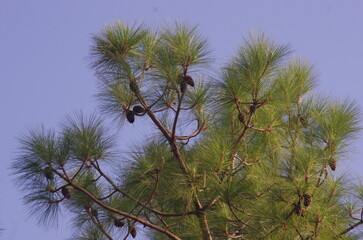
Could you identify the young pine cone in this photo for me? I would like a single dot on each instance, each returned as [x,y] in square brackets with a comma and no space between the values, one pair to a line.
[188,80]
[133,232]
[307,200]
[66,193]
[130,116]
[138,109]
[298,209]
[118,223]
[183,86]
[134,87]
[87,207]
[48,173]
[185,81]
[252,108]
[303,121]
[241,118]
[333,164]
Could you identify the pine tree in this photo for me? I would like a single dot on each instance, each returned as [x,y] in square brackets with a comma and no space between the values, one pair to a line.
[248,154]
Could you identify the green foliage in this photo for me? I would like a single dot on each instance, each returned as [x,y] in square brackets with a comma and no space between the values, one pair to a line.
[249,155]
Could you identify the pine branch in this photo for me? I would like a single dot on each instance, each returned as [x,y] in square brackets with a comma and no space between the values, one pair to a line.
[165,132]
[350,228]
[360,222]
[138,201]
[113,210]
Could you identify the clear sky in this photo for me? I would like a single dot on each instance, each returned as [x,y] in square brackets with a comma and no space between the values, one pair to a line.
[44,75]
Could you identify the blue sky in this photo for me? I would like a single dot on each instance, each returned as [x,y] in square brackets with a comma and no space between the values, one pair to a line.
[44,74]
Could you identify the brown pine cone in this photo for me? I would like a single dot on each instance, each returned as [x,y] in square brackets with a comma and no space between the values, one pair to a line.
[188,80]
[48,173]
[66,193]
[134,87]
[118,223]
[130,116]
[133,232]
[241,118]
[307,199]
[298,209]
[333,164]
[138,109]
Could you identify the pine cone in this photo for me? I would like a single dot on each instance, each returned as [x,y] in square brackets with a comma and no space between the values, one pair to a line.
[133,232]
[66,193]
[298,209]
[241,118]
[134,87]
[188,80]
[252,108]
[130,116]
[333,164]
[303,121]
[307,200]
[48,173]
[183,86]
[185,80]
[118,223]
[87,207]
[138,109]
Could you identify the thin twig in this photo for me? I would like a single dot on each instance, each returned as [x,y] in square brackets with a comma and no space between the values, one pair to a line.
[194,134]
[240,220]
[109,195]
